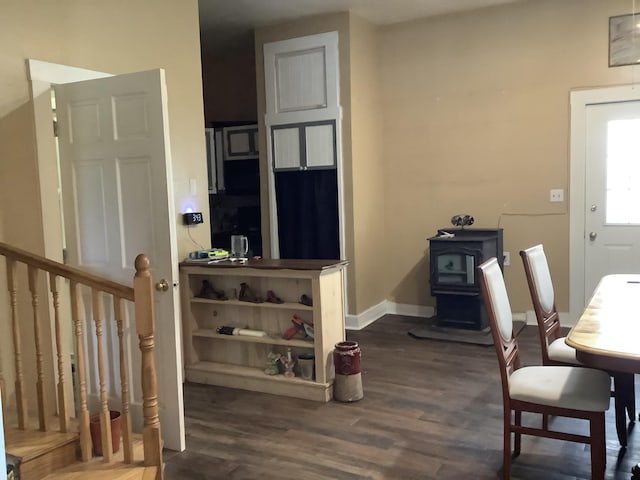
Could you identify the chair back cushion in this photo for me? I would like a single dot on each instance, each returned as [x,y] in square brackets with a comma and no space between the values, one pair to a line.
[499,300]
[541,278]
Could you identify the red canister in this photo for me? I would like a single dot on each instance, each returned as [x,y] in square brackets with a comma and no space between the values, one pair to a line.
[346,358]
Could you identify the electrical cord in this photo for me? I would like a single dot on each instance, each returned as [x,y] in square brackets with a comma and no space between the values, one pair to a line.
[200,247]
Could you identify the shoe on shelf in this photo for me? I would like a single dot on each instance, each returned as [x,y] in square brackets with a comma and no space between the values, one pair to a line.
[299,326]
[306,300]
[247,295]
[273,298]
[207,291]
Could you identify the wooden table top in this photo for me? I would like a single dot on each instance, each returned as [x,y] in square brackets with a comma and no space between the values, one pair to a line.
[607,335]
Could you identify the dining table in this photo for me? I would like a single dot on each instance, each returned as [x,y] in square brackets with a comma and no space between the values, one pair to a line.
[607,336]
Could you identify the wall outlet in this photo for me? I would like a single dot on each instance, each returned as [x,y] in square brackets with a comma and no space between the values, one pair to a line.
[556,195]
[506,257]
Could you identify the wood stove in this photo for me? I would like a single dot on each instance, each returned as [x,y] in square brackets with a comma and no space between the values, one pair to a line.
[454,259]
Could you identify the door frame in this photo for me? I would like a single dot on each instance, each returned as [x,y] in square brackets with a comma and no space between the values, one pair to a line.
[579,101]
[42,75]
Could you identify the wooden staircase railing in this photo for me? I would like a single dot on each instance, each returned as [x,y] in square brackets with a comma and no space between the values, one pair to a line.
[141,294]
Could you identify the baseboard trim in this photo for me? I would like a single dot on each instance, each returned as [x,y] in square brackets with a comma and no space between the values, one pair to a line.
[362,320]
[358,322]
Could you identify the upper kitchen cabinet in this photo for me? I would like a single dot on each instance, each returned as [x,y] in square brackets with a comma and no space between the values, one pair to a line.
[301,79]
[304,146]
[240,142]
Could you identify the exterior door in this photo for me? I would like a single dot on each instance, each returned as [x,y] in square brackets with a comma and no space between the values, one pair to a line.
[118,202]
[612,191]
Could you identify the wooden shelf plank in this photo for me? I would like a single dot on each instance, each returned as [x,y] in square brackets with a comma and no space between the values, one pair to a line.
[238,303]
[294,342]
[254,379]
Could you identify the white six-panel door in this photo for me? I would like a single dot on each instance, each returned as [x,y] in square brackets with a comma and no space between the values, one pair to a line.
[118,202]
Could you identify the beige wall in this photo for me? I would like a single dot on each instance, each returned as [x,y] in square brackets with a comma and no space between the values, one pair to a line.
[115,37]
[476,120]
[367,173]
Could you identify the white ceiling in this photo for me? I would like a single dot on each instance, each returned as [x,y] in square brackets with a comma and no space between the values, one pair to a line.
[224,21]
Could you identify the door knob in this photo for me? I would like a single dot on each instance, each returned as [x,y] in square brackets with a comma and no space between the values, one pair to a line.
[592,236]
[594,207]
[162,285]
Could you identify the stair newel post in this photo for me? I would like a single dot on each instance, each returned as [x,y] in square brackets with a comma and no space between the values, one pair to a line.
[119,313]
[105,416]
[63,413]
[145,324]
[81,369]
[21,399]
[34,275]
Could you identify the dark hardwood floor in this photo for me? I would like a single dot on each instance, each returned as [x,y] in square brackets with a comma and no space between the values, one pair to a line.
[431,410]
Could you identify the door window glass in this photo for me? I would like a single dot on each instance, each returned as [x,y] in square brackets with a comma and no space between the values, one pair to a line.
[623,172]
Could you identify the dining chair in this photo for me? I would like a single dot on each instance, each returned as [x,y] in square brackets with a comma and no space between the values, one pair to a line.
[554,349]
[549,390]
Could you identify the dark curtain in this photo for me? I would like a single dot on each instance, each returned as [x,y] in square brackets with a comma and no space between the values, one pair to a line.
[308,214]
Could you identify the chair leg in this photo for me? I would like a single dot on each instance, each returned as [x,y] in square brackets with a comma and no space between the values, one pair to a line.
[631,406]
[517,435]
[598,451]
[623,387]
[506,447]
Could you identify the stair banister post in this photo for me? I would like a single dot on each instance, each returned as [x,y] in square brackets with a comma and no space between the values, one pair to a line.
[63,407]
[119,314]
[34,275]
[77,317]
[145,325]
[105,415]
[21,397]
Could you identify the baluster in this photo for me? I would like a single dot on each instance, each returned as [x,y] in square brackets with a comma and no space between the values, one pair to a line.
[77,317]
[34,275]
[21,398]
[105,417]
[63,413]
[144,308]
[126,416]
[3,400]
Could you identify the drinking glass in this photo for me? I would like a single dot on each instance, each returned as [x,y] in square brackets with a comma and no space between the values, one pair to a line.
[239,246]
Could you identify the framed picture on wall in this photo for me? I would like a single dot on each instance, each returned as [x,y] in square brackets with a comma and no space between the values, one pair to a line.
[624,40]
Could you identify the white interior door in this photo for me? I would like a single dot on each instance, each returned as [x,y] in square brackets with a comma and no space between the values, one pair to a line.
[612,191]
[118,202]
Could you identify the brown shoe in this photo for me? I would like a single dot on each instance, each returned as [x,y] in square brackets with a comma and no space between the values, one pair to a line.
[273,298]
[247,295]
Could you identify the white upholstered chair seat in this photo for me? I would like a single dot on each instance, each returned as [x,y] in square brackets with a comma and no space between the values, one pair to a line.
[576,388]
[561,352]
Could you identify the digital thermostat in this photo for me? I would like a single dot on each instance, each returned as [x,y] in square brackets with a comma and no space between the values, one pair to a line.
[192,218]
